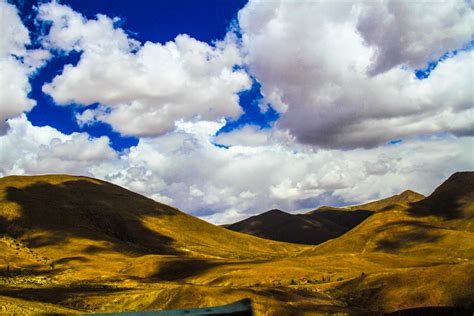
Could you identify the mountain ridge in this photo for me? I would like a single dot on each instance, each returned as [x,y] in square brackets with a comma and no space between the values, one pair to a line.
[316,226]
[81,245]
[106,215]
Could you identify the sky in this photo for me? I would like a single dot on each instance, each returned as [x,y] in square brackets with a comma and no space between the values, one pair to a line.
[226,109]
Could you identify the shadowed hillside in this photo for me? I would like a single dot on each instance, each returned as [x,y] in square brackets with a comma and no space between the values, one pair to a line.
[403,233]
[452,201]
[281,226]
[54,210]
[402,226]
[316,226]
[82,208]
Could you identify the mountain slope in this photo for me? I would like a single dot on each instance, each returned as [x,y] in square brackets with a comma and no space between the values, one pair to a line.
[77,228]
[315,226]
[281,226]
[80,245]
[407,196]
[414,231]
[53,210]
[75,241]
[452,202]
[402,227]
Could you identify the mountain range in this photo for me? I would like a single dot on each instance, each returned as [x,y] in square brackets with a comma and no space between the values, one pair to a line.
[316,226]
[72,244]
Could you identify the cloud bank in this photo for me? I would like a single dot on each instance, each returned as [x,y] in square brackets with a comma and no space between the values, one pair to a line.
[185,169]
[142,89]
[341,75]
[341,72]
[16,65]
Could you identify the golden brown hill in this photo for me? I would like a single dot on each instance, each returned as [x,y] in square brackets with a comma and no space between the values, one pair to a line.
[402,227]
[316,226]
[452,202]
[70,244]
[407,196]
[57,210]
[80,245]
[414,231]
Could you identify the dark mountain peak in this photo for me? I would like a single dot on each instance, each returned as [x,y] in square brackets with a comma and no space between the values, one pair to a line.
[325,208]
[274,212]
[271,216]
[319,225]
[310,228]
[453,199]
[461,177]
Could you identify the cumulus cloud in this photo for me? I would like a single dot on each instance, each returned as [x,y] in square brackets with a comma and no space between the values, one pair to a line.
[183,168]
[252,136]
[28,149]
[414,32]
[343,88]
[142,89]
[16,64]
[341,73]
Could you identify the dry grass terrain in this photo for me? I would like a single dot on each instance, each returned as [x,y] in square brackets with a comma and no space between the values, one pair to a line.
[80,245]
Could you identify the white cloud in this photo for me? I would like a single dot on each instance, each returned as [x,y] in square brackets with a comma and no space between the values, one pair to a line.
[14,33]
[27,149]
[414,32]
[316,61]
[183,168]
[16,64]
[255,136]
[244,180]
[145,88]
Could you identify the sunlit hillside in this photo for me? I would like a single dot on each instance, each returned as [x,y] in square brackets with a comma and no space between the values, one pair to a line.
[81,245]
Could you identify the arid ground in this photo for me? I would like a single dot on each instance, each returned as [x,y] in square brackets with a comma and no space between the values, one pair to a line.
[80,245]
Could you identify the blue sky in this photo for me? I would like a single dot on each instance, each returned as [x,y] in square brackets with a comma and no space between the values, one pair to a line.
[229,108]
